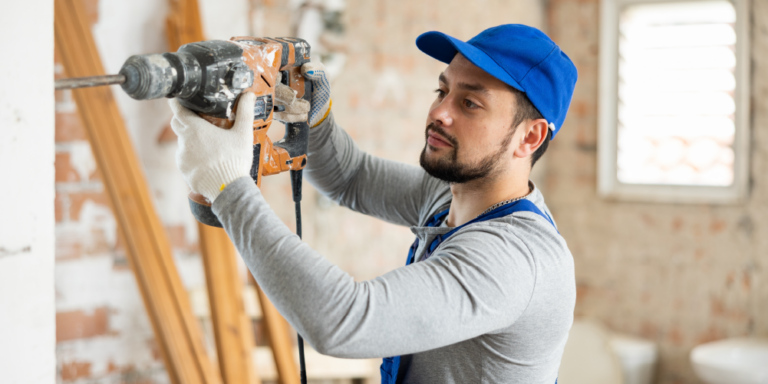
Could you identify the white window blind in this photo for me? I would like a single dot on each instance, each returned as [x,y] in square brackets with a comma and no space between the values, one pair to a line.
[669,101]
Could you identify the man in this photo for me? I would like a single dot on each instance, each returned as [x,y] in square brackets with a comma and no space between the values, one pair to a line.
[489,290]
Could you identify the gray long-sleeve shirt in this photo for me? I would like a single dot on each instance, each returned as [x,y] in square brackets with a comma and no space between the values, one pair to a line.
[493,304]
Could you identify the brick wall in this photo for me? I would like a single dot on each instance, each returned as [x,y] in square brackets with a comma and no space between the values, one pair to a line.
[102,331]
[680,275]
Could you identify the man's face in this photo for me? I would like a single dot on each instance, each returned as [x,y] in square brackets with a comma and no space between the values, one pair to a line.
[468,127]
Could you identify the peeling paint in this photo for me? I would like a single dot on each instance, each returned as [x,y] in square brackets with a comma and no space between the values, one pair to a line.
[82,160]
[11,252]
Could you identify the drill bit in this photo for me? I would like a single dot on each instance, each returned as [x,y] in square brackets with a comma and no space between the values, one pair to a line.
[93,81]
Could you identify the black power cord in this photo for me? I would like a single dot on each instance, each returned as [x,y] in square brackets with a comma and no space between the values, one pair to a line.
[296,181]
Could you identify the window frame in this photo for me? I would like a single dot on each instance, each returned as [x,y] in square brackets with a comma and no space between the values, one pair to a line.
[608,185]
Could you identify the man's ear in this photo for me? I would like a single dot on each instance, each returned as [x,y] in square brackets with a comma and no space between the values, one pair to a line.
[534,134]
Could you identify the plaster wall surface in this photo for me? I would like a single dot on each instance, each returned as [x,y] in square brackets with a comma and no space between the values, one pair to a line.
[27,321]
[678,274]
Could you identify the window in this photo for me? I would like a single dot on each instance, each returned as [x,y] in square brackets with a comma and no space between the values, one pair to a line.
[674,101]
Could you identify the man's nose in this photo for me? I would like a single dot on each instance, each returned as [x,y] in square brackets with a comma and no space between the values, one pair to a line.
[441,114]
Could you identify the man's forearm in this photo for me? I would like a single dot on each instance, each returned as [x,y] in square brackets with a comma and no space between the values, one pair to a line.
[386,189]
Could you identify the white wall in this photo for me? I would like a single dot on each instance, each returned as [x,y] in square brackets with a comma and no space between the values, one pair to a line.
[27,320]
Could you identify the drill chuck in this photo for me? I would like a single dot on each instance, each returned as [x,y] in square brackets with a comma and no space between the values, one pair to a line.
[208,76]
[161,75]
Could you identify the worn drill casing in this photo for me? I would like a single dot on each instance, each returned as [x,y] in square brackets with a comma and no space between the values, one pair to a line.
[265,60]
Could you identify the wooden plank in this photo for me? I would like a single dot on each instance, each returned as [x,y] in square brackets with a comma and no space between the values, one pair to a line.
[278,334]
[185,26]
[177,332]
[232,328]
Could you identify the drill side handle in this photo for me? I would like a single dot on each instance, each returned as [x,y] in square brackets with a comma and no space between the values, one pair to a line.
[256,166]
[296,140]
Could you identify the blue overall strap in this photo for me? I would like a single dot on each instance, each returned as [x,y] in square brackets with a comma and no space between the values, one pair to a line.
[504,210]
[390,365]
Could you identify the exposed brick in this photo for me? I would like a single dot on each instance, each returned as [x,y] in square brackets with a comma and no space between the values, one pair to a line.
[669,272]
[178,238]
[260,333]
[78,199]
[91,10]
[717,226]
[75,370]
[58,207]
[675,336]
[78,324]
[746,281]
[68,248]
[157,354]
[68,128]
[710,334]
[64,170]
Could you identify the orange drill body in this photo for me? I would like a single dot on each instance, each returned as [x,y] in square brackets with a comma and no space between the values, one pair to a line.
[265,62]
[269,60]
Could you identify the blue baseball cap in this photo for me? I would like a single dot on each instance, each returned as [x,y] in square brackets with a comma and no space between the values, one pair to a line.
[520,56]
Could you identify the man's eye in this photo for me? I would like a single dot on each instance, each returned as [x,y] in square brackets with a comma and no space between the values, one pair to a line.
[440,93]
[469,104]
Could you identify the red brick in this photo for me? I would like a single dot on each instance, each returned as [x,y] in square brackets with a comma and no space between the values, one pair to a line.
[75,370]
[58,207]
[717,307]
[260,333]
[79,325]
[68,127]
[746,282]
[178,238]
[649,330]
[68,248]
[64,171]
[91,10]
[675,336]
[157,354]
[78,199]
[717,226]
[711,334]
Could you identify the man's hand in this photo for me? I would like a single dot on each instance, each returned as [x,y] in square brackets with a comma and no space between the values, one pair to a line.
[298,110]
[321,92]
[210,157]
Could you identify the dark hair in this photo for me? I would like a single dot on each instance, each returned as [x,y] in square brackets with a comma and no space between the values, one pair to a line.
[526,111]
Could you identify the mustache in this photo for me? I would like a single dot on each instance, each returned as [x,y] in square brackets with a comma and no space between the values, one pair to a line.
[441,131]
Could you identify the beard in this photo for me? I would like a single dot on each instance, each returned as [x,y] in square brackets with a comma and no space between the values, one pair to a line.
[449,169]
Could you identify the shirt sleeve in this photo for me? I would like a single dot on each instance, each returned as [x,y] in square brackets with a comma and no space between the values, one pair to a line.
[478,281]
[385,189]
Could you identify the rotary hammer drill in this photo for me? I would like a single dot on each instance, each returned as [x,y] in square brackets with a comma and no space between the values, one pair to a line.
[208,77]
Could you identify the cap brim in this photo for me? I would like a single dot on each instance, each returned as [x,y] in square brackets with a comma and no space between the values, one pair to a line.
[443,48]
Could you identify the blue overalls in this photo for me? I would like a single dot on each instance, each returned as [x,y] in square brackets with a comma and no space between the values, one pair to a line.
[390,365]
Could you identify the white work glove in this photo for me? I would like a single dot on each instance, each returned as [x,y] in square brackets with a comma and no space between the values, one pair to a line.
[209,157]
[321,92]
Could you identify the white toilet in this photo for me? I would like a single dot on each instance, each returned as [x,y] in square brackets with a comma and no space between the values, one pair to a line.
[594,355]
[638,358]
